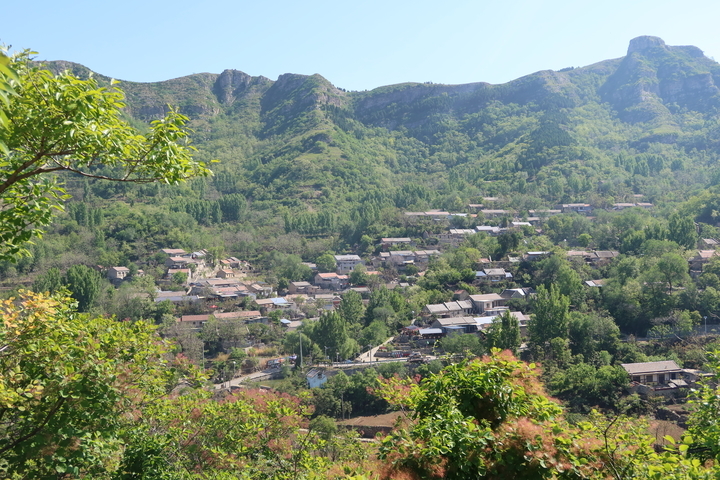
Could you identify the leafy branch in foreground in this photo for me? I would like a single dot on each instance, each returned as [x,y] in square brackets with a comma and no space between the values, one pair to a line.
[70,384]
[59,123]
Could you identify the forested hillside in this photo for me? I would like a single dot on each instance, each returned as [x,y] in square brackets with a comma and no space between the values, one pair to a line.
[645,123]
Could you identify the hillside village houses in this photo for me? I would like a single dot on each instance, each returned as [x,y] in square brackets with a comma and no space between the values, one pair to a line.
[470,313]
[347,263]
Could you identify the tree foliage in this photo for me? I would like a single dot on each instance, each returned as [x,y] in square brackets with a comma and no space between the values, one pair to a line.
[61,123]
[490,419]
[70,384]
[550,316]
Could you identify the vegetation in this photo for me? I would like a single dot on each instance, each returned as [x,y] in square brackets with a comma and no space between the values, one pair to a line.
[101,381]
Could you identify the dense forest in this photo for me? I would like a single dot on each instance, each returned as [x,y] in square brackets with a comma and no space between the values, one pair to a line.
[282,179]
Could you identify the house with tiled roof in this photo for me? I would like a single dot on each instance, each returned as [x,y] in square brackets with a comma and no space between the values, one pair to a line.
[331,281]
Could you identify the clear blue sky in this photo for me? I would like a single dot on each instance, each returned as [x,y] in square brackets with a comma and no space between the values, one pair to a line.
[355,45]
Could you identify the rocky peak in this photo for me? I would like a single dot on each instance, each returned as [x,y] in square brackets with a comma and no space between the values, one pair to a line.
[229,84]
[638,44]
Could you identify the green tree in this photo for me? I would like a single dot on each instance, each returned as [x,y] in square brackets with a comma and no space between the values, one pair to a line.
[704,423]
[592,333]
[490,419]
[351,307]
[331,333]
[672,269]
[359,276]
[583,385]
[60,123]
[550,318]
[233,207]
[326,263]
[84,284]
[681,230]
[504,333]
[50,282]
[374,334]
[462,343]
[71,384]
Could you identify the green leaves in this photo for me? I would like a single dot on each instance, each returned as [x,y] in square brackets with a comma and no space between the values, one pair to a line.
[54,123]
[69,385]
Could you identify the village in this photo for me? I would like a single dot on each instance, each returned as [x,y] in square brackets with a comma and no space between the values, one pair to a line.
[231,290]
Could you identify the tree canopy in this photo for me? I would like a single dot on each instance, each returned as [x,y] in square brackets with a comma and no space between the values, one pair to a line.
[54,124]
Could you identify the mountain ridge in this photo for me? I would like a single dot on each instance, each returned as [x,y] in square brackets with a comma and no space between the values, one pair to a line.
[645,123]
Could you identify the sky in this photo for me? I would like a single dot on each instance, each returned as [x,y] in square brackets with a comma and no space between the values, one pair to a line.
[354,45]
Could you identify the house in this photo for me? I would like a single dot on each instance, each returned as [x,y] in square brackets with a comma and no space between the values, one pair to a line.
[233,262]
[175,297]
[304,288]
[327,301]
[532,256]
[520,224]
[653,373]
[493,275]
[701,258]
[235,291]
[544,213]
[331,281]
[489,229]
[225,273]
[245,315]
[517,293]
[430,333]
[311,266]
[392,242]
[220,288]
[454,236]
[347,263]
[581,208]
[459,307]
[448,309]
[488,304]
[274,303]
[436,310]
[173,252]
[497,213]
[459,324]
[195,322]
[118,274]
[437,215]
[582,254]
[397,258]
[602,257]
[316,377]
[422,257]
[260,288]
[468,324]
[622,206]
[178,262]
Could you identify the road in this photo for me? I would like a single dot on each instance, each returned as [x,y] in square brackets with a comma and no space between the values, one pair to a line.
[362,360]
[369,356]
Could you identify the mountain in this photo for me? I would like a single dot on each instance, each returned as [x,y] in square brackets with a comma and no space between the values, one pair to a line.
[645,124]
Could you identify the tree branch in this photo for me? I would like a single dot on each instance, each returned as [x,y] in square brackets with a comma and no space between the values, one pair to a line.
[36,430]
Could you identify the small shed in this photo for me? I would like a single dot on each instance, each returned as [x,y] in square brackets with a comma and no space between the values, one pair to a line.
[316,377]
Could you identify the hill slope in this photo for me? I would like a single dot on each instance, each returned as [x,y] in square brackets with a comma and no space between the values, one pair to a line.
[642,124]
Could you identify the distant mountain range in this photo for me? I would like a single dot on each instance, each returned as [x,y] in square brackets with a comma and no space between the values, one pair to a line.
[646,123]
